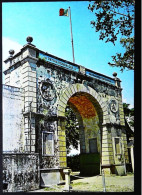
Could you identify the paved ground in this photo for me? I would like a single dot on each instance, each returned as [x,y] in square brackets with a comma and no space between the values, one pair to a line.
[94,184]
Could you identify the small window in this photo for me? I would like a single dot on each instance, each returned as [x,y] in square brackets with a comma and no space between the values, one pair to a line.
[117,146]
[47,144]
[93,145]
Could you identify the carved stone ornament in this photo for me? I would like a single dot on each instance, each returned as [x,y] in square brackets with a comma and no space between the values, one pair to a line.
[113,104]
[47,90]
[29,39]
[100,88]
[51,126]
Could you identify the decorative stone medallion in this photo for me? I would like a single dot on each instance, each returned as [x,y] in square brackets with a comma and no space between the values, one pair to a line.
[113,104]
[47,90]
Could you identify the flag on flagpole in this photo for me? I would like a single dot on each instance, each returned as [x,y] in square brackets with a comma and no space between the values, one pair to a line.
[63,12]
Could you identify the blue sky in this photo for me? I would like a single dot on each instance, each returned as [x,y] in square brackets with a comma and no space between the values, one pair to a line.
[51,33]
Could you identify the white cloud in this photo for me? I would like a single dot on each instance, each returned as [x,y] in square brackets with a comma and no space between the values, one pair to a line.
[128,101]
[8,44]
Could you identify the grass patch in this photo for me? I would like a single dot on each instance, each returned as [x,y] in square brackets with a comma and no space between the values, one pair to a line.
[54,188]
[80,183]
[49,189]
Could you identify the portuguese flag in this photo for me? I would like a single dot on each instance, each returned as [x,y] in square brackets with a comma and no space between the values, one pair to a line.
[63,12]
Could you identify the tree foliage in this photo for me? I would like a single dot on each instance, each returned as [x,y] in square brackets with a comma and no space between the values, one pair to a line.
[115,18]
[72,129]
[129,113]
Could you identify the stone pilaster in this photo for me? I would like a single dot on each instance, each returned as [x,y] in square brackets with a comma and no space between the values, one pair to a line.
[124,146]
[62,142]
[30,136]
[107,149]
[121,113]
[29,85]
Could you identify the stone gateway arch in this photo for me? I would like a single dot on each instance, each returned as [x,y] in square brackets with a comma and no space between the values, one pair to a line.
[98,111]
[38,87]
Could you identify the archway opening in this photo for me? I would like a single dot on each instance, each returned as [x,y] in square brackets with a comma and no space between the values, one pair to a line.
[72,132]
[88,115]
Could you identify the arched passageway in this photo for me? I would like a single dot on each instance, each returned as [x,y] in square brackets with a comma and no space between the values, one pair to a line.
[91,114]
[97,129]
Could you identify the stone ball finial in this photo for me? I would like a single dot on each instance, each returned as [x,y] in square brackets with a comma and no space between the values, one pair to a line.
[29,39]
[11,52]
[114,74]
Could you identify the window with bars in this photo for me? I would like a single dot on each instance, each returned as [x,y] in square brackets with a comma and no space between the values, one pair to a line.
[47,144]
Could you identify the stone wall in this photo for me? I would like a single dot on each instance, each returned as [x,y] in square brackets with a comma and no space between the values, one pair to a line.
[21,171]
[49,84]
[13,121]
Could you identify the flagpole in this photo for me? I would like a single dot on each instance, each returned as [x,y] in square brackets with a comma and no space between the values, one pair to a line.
[71,35]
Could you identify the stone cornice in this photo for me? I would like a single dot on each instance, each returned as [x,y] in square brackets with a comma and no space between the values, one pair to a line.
[19,63]
[20,52]
[27,58]
[52,117]
[84,74]
[112,125]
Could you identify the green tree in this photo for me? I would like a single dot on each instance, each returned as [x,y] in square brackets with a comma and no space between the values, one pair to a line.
[129,113]
[115,18]
[72,129]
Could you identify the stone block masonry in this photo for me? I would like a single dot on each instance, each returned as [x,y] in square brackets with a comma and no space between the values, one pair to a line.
[21,171]
[41,87]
